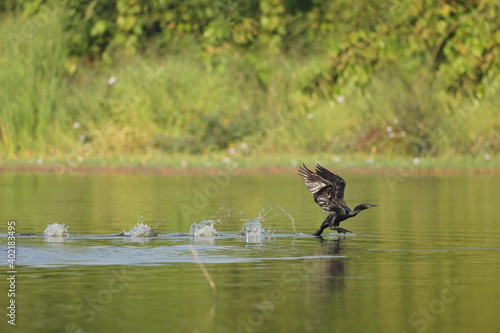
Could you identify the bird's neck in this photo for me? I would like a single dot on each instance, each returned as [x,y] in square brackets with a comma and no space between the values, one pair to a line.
[356,210]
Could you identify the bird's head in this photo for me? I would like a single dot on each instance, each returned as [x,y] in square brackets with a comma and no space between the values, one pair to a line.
[363,206]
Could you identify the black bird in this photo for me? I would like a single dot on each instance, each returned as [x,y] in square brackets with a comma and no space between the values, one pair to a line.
[328,191]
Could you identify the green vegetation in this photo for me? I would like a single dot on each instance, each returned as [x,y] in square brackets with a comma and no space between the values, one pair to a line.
[112,80]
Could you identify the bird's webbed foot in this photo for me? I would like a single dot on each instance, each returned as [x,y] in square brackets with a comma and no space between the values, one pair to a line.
[340,230]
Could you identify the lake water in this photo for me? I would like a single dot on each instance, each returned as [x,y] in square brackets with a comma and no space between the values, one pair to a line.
[427,259]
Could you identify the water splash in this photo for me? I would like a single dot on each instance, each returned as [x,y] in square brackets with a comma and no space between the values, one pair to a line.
[254,232]
[139,230]
[56,230]
[254,228]
[291,218]
[204,229]
[227,217]
[270,212]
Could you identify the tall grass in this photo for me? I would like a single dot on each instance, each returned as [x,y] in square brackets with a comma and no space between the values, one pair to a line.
[32,85]
[181,103]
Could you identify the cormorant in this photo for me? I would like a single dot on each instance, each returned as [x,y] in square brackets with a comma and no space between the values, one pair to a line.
[328,191]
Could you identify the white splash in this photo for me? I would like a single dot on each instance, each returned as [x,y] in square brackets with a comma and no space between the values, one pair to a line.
[253,228]
[254,232]
[56,230]
[140,230]
[291,218]
[270,212]
[203,229]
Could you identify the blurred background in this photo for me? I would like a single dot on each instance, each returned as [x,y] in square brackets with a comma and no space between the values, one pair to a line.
[143,81]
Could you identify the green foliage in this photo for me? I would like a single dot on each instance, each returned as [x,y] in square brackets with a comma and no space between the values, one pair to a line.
[457,42]
[406,78]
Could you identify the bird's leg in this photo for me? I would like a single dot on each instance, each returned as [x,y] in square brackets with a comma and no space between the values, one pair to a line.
[340,230]
[326,223]
[318,232]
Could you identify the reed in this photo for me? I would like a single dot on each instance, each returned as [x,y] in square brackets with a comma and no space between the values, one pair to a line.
[204,270]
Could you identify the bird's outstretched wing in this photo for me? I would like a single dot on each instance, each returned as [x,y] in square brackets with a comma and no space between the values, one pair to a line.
[337,181]
[327,188]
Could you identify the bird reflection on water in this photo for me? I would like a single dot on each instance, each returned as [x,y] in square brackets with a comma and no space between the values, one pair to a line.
[331,275]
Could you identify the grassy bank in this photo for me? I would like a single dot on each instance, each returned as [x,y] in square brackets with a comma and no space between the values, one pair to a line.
[205,106]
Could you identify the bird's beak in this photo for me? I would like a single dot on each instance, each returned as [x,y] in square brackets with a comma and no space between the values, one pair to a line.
[372,206]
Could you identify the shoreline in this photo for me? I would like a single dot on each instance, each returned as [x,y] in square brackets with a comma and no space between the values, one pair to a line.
[170,170]
[268,163]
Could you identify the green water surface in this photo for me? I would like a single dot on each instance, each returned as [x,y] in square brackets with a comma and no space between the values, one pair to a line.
[427,259]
